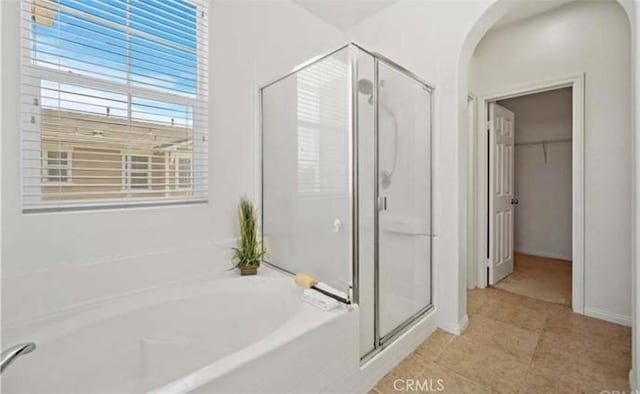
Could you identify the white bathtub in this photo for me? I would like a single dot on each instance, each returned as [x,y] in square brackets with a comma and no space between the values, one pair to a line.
[234,334]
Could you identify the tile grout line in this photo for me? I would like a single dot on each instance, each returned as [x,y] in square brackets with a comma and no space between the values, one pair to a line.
[545,322]
[375,388]
[544,325]
[463,376]
[530,361]
[480,383]
[435,361]
[444,347]
[528,371]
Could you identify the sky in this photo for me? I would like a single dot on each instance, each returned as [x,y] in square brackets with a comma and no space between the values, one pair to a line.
[93,37]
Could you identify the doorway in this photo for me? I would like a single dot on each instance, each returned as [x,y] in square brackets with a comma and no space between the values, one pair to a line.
[530,148]
[553,270]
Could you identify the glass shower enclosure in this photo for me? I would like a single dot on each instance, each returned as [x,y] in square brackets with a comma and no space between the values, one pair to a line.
[346,184]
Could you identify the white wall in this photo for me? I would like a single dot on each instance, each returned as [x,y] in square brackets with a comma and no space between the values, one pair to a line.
[54,260]
[589,37]
[543,185]
[634,17]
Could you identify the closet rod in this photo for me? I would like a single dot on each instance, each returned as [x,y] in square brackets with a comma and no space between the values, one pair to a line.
[543,142]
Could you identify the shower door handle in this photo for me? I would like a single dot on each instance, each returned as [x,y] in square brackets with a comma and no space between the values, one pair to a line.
[382,203]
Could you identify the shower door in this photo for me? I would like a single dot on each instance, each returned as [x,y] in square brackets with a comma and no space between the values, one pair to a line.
[403,168]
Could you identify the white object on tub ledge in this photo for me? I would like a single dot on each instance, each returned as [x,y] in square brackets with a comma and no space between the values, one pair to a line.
[332,290]
[319,300]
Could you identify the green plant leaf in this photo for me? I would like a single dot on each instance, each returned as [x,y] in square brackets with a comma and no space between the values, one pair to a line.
[249,250]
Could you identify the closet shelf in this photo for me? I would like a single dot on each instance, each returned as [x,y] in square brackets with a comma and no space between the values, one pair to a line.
[545,142]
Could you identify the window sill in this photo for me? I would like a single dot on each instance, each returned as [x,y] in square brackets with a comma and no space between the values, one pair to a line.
[111,205]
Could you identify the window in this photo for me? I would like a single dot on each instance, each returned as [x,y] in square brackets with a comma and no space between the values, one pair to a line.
[322,105]
[56,167]
[184,173]
[119,88]
[139,172]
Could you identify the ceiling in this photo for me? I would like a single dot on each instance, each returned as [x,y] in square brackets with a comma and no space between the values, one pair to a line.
[529,8]
[344,14]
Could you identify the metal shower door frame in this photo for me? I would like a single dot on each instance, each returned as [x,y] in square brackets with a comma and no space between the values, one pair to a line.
[382,341]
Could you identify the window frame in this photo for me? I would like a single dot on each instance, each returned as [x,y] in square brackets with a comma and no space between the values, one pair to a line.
[34,104]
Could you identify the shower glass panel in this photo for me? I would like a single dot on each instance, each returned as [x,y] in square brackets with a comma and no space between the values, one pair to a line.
[306,192]
[404,190]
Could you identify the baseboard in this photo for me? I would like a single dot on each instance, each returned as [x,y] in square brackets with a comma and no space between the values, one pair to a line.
[541,253]
[608,316]
[455,328]
[633,382]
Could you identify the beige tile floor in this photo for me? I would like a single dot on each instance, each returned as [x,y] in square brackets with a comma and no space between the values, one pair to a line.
[517,344]
[539,277]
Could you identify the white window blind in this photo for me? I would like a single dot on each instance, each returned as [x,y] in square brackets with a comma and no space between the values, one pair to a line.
[323,121]
[114,102]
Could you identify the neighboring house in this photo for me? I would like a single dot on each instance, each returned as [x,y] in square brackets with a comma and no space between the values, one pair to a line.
[91,157]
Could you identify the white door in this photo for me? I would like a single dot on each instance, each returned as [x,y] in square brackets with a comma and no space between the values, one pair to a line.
[501,201]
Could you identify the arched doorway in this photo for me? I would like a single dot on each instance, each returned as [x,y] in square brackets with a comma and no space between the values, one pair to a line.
[492,14]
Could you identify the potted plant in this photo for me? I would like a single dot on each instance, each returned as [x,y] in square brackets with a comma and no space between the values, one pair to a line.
[250,252]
